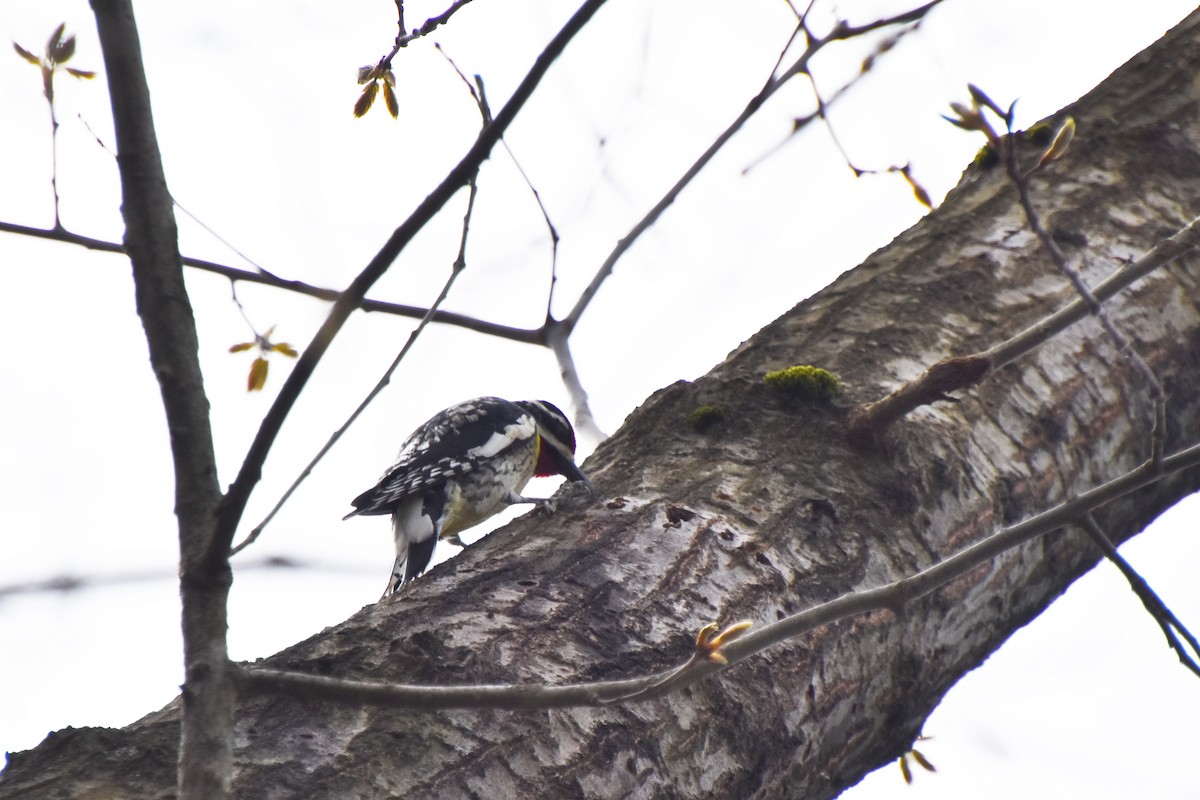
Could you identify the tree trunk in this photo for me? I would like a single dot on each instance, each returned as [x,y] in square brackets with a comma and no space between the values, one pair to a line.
[770,510]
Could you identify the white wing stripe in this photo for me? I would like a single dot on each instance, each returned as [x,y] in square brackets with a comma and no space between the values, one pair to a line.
[518,431]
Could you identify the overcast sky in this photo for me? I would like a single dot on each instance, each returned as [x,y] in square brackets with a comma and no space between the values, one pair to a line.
[252,103]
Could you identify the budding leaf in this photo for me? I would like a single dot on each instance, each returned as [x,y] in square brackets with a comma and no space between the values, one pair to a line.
[28,56]
[1062,140]
[920,758]
[366,99]
[918,190]
[63,51]
[258,375]
[389,97]
[55,38]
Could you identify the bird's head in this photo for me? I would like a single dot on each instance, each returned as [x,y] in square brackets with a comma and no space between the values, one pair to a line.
[557,455]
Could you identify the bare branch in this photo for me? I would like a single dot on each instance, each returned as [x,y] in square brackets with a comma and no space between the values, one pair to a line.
[434,698]
[206,745]
[263,278]
[476,93]
[480,95]
[555,335]
[433,23]
[823,105]
[868,422]
[1162,615]
[403,37]
[550,229]
[822,113]
[840,32]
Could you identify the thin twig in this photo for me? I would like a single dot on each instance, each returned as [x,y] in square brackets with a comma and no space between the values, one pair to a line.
[893,596]
[1162,615]
[823,115]
[225,242]
[242,310]
[476,94]
[840,32]
[523,335]
[823,105]
[59,49]
[550,229]
[480,95]
[800,16]
[53,147]
[798,125]
[1154,386]
[557,335]
[403,37]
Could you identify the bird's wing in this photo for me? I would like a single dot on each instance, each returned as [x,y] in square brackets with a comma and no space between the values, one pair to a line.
[453,443]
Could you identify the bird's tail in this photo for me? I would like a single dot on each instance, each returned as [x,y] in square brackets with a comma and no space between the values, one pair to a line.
[397,578]
[412,557]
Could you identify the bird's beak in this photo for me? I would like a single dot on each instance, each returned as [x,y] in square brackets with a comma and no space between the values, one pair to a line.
[573,473]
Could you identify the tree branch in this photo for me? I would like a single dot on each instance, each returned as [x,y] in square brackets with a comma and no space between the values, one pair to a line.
[840,32]
[1158,610]
[523,335]
[206,748]
[429,26]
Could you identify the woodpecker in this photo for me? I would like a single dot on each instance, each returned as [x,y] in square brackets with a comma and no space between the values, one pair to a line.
[462,466]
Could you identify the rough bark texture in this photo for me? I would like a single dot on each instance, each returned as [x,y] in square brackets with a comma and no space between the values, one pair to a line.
[770,511]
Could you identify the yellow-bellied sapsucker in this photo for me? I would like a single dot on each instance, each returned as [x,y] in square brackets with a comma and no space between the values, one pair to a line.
[465,464]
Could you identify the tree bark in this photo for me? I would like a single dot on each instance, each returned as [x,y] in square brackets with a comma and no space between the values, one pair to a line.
[769,511]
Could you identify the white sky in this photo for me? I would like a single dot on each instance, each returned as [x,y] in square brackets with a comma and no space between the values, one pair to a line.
[252,103]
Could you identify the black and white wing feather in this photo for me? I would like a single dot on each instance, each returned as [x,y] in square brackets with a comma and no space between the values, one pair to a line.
[451,444]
